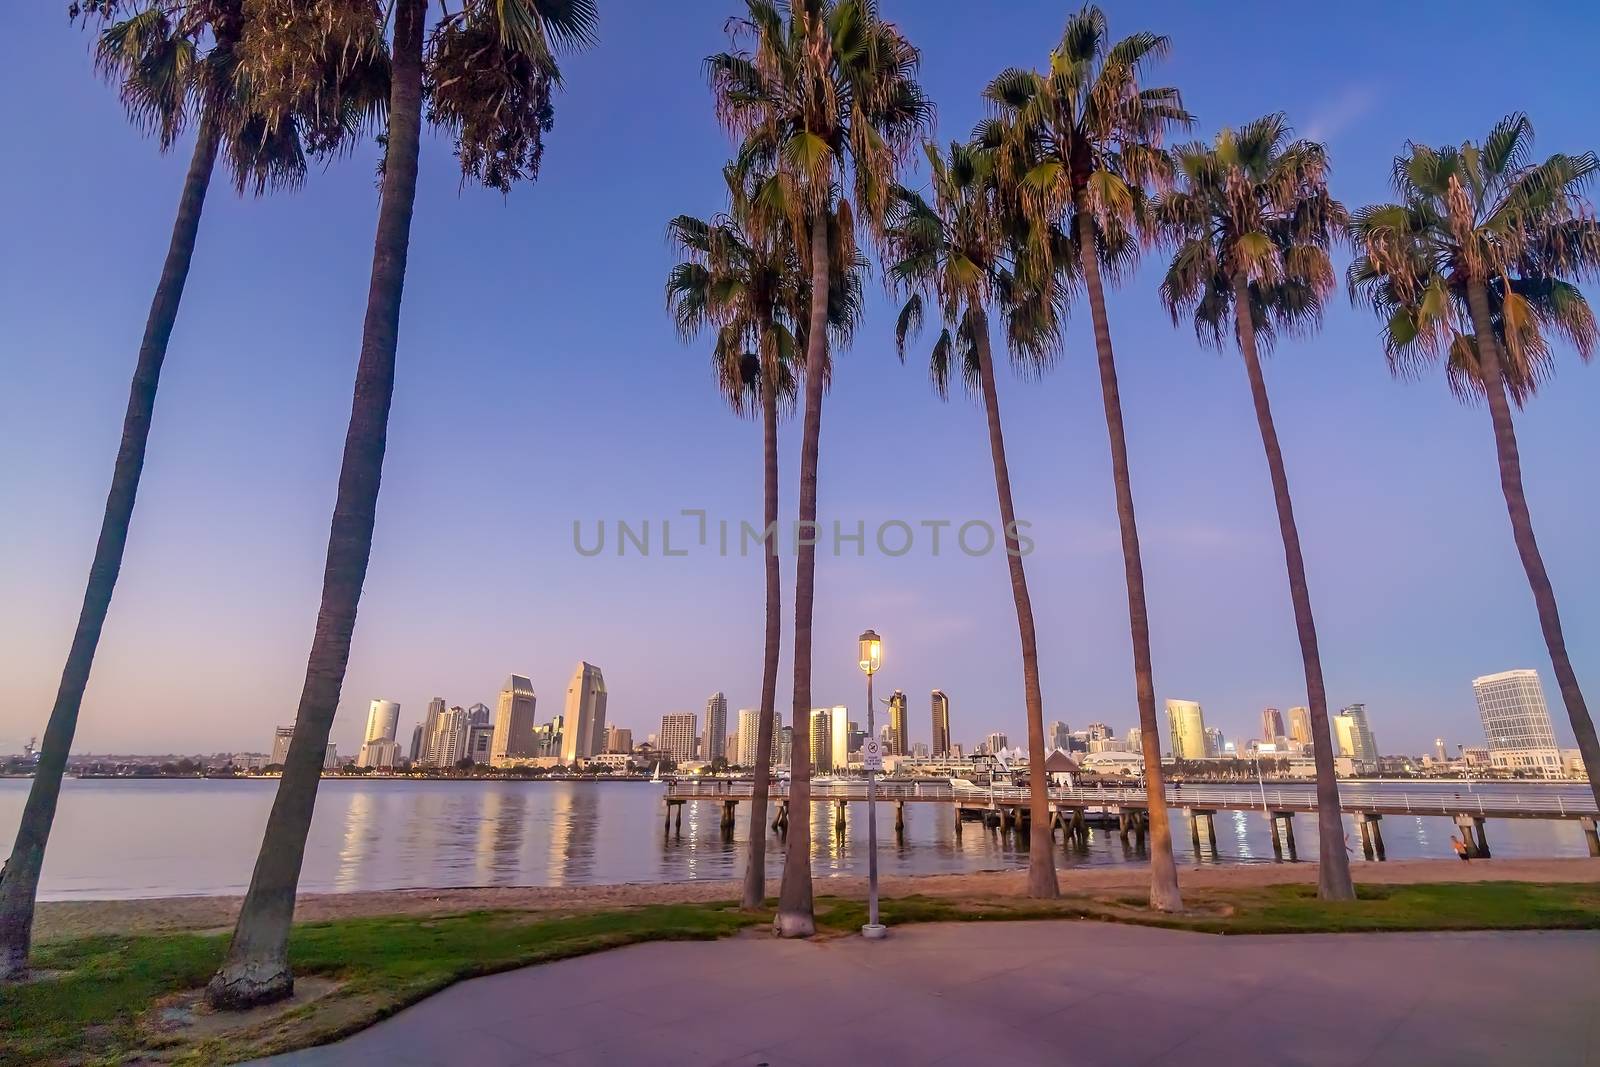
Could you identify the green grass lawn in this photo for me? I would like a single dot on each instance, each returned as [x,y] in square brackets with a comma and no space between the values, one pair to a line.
[100,999]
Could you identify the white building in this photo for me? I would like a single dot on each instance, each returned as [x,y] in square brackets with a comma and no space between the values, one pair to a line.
[378,748]
[280,744]
[1517,723]
[583,727]
[679,735]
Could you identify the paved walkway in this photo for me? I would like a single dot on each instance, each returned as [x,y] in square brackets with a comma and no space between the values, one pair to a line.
[1021,993]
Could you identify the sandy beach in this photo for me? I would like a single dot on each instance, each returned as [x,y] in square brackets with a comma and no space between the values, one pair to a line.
[67,919]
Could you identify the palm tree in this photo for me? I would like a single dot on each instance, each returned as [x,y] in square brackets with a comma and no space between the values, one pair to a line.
[953,252]
[739,277]
[1252,221]
[1076,145]
[826,99]
[174,63]
[488,70]
[1476,264]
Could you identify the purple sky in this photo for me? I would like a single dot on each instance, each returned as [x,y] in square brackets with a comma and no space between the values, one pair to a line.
[540,382]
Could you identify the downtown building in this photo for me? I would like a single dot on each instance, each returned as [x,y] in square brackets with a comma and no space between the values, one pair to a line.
[513,738]
[820,742]
[749,735]
[679,736]
[1186,728]
[899,738]
[379,750]
[1353,737]
[940,745]
[583,725]
[716,741]
[1516,723]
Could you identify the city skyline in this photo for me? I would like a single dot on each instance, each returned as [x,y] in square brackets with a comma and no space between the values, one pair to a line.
[226,551]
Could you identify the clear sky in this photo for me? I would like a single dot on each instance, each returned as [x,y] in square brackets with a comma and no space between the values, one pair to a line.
[540,382]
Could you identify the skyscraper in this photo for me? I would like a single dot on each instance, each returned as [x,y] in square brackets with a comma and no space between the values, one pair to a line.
[430,729]
[839,720]
[480,740]
[1271,724]
[1059,736]
[821,744]
[415,753]
[1516,722]
[1300,725]
[1441,751]
[679,734]
[716,743]
[280,744]
[782,742]
[899,738]
[995,743]
[1215,742]
[480,715]
[513,722]
[583,727]
[744,753]
[619,739]
[941,724]
[1186,725]
[1354,737]
[449,742]
[378,748]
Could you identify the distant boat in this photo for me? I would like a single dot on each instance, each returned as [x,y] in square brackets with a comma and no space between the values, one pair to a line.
[656,777]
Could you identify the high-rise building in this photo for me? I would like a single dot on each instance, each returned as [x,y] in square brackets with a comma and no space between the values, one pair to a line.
[716,742]
[1271,724]
[782,742]
[583,726]
[1135,739]
[821,741]
[480,715]
[1186,725]
[280,744]
[480,740]
[995,743]
[941,724]
[1059,736]
[378,748]
[1215,742]
[449,742]
[749,737]
[430,729]
[415,753]
[1516,722]
[1441,751]
[679,735]
[899,732]
[619,739]
[1096,731]
[1300,725]
[1354,737]
[513,737]
[842,728]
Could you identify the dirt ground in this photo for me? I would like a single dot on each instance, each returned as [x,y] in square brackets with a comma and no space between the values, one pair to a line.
[68,919]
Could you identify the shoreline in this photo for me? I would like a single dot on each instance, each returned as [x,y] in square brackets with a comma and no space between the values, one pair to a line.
[62,920]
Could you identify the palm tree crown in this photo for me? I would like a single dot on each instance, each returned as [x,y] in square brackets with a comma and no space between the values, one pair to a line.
[1486,212]
[1256,204]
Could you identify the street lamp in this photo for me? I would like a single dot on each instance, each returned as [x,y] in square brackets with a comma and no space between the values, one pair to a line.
[869,660]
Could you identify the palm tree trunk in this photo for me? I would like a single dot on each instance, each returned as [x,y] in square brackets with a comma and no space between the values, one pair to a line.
[795,916]
[1164,892]
[1544,596]
[257,966]
[1333,867]
[19,882]
[1041,862]
[755,873]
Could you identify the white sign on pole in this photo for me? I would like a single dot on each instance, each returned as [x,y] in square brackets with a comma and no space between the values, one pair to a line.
[872,754]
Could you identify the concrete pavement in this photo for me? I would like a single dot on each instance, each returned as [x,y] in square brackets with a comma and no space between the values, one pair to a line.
[1020,993]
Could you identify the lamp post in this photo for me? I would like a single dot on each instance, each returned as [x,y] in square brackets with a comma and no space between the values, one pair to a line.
[869,660]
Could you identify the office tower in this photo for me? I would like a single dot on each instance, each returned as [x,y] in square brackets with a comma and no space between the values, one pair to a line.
[783,743]
[1135,738]
[1059,736]
[749,737]
[941,723]
[1300,725]
[1441,751]
[416,743]
[280,744]
[513,737]
[480,715]
[330,757]
[1186,726]
[899,731]
[716,742]
[679,735]
[821,746]
[583,726]
[1215,742]
[383,721]
[449,741]
[1516,722]
[619,739]
[1271,724]
[430,728]
[996,742]
[1096,731]
[919,750]
[842,728]
[1354,737]
[480,740]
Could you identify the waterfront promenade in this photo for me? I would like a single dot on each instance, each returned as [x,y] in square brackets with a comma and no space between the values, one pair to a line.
[1019,993]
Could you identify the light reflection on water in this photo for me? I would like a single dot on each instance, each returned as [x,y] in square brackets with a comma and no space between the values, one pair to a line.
[172,837]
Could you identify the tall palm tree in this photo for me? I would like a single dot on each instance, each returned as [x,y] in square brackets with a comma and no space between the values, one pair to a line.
[827,98]
[1252,221]
[488,70]
[1076,144]
[953,252]
[174,63]
[739,277]
[1476,265]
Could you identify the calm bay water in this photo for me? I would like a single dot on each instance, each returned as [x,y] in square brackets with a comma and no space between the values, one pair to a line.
[168,837]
